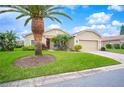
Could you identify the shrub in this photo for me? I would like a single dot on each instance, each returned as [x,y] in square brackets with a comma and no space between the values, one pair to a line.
[122,46]
[109,46]
[116,46]
[28,48]
[19,46]
[77,47]
[7,41]
[103,49]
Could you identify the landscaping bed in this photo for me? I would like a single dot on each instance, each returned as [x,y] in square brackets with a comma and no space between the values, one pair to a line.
[64,62]
[31,61]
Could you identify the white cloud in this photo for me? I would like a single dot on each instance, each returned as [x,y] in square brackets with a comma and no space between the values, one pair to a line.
[116,23]
[25,32]
[101,27]
[99,18]
[79,28]
[53,26]
[94,27]
[116,7]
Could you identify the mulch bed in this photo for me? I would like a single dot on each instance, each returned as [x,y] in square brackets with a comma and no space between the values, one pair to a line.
[34,61]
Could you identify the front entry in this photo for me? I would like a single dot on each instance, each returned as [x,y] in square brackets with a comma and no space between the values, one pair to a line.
[48,43]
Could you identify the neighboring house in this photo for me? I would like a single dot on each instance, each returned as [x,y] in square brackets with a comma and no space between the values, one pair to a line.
[88,39]
[113,40]
[20,42]
[46,40]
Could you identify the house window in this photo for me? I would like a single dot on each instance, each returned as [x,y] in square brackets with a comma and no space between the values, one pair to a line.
[32,42]
[77,41]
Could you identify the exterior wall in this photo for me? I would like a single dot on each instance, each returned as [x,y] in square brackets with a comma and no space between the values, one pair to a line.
[83,35]
[47,34]
[119,39]
[27,40]
[88,37]
[112,42]
[70,43]
[52,33]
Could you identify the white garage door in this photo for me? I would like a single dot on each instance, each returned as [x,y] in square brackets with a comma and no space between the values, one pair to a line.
[88,45]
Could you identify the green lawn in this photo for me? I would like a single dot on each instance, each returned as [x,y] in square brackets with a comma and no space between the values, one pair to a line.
[65,62]
[121,51]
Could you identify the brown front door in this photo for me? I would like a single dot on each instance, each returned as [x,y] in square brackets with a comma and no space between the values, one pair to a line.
[48,43]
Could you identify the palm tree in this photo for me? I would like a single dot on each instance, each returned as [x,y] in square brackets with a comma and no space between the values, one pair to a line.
[36,13]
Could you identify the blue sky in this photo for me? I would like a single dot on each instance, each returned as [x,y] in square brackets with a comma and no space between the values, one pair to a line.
[104,19]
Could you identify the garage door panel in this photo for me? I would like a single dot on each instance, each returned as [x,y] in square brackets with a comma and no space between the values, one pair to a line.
[88,45]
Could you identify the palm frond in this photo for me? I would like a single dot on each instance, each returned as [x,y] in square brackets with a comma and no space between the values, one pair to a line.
[60,13]
[57,20]
[49,17]
[20,16]
[55,8]
[22,9]
[27,21]
[54,19]
[9,10]
[6,6]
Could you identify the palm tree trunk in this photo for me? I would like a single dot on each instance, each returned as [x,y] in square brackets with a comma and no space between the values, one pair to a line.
[38,29]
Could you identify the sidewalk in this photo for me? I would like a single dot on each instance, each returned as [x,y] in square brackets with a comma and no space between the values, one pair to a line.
[39,81]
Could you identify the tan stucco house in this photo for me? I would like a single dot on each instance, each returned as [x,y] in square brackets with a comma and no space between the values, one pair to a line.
[46,40]
[112,40]
[88,39]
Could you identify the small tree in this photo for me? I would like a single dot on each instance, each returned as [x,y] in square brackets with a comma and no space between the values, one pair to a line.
[77,47]
[122,30]
[60,41]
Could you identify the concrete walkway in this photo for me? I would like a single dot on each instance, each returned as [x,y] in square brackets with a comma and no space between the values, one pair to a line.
[115,56]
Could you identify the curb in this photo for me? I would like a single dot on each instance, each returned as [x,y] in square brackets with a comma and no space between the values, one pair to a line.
[40,81]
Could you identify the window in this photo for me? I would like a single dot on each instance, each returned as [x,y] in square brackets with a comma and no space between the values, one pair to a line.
[77,41]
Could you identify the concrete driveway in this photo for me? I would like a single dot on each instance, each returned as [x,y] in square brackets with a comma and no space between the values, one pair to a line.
[115,56]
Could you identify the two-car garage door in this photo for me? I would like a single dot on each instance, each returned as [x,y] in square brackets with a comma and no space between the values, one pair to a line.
[88,45]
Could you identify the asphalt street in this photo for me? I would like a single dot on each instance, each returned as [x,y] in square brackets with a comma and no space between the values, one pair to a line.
[107,79]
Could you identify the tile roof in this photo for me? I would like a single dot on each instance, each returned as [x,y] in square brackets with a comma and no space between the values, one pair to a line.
[113,38]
